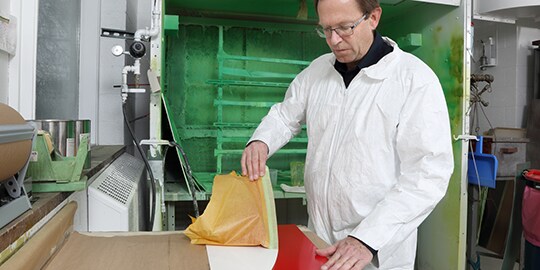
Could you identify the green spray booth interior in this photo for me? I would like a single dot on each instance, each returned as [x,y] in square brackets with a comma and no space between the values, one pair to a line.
[225,63]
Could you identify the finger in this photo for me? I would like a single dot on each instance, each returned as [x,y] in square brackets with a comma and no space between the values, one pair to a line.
[357,263]
[343,263]
[254,165]
[243,163]
[326,252]
[359,266]
[331,262]
[248,163]
[262,162]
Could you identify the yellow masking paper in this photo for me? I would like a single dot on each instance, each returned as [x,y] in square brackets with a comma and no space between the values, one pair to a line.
[240,213]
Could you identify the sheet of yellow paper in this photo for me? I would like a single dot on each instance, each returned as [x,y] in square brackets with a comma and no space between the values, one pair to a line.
[240,213]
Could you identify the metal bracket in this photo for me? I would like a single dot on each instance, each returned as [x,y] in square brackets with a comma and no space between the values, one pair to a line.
[155,142]
[114,33]
[134,90]
[154,145]
[13,187]
[465,137]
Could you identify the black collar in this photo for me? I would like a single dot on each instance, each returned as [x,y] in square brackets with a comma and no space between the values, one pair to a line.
[378,50]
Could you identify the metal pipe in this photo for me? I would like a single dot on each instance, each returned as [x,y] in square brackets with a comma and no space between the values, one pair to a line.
[140,33]
[136,69]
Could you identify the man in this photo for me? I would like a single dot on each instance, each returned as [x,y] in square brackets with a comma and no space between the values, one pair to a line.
[379,154]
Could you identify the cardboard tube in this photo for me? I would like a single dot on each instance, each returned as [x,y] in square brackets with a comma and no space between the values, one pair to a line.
[42,246]
[13,155]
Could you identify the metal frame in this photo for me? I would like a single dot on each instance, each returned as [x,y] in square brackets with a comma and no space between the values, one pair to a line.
[17,192]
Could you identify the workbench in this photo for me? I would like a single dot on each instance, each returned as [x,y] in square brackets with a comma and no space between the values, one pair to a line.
[56,245]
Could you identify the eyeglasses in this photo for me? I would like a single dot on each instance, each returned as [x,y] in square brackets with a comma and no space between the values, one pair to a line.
[342,31]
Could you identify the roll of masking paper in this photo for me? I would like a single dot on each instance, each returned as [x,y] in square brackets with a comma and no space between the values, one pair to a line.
[15,154]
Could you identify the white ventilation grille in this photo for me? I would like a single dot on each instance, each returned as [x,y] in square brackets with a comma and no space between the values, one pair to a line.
[115,196]
[119,183]
[118,189]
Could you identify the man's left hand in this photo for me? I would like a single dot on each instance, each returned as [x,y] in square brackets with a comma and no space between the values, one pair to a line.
[346,254]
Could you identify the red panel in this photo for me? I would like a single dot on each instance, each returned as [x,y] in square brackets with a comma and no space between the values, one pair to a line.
[296,251]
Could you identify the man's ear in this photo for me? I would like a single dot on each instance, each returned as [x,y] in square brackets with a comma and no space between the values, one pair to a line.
[374,17]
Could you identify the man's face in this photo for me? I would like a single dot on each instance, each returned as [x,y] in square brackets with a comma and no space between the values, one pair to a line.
[336,13]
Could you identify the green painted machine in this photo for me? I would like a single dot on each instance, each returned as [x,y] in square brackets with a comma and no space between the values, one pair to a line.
[52,172]
[223,64]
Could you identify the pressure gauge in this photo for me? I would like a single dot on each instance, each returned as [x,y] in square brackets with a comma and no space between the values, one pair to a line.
[117,50]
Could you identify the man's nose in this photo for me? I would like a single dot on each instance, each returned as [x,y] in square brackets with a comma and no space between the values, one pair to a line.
[335,38]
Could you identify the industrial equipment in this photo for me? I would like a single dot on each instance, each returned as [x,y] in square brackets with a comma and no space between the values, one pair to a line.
[115,200]
[16,137]
[51,171]
[66,135]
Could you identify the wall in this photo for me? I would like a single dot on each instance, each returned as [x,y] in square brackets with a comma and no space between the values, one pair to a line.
[57,65]
[512,86]
[4,58]
[502,108]
[110,122]
[525,67]
[89,67]
[22,65]
[128,16]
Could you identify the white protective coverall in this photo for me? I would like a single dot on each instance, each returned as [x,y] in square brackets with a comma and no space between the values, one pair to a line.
[379,154]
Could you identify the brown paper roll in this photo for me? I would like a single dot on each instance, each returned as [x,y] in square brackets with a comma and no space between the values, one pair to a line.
[13,156]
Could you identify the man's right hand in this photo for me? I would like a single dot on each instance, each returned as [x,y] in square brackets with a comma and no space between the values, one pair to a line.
[254,159]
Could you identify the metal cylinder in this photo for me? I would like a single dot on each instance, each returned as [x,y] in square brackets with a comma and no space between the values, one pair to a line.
[58,130]
[66,135]
[70,139]
[83,127]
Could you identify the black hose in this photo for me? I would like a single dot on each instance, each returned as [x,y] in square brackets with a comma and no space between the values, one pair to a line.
[148,169]
[191,178]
